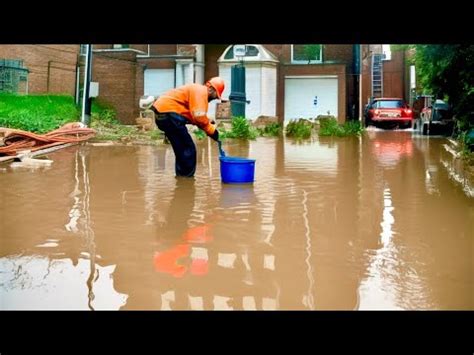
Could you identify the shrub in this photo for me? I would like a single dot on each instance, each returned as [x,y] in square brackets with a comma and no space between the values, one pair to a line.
[300,129]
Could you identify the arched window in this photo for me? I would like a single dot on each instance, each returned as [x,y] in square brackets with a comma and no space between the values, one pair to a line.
[250,51]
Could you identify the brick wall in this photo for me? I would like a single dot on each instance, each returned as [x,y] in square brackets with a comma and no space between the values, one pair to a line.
[52,68]
[393,75]
[366,65]
[139,47]
[163,49]
[120,80]
[156,63]
[340,64]
[212,52]
[337,53]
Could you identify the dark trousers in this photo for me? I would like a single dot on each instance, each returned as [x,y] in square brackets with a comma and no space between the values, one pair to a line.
[174,126]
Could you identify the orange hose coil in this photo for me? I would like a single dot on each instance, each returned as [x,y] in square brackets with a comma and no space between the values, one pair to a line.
[16,139]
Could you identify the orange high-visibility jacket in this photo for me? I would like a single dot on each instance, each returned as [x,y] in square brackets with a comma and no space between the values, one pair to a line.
[189,101]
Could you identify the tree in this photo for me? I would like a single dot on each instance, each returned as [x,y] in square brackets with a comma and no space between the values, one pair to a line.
[312,51]
[447,72]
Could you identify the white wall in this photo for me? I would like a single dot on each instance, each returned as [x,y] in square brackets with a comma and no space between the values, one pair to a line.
[269,91]
[158,81]
[260,89]
[253,90]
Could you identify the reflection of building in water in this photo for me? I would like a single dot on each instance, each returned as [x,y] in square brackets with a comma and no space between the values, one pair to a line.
[218,262]
[385,287]
[239,280]
[404,266]
[151,171]
[222,290]
[39,283]
[322,159]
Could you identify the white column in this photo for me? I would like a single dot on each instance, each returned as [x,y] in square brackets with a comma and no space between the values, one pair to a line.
[189,77]
[179,74]
[199,64]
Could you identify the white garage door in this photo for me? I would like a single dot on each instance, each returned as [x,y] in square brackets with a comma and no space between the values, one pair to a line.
[309,97]
[158,81]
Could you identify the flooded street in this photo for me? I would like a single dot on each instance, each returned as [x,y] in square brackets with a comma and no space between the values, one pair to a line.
[377,222]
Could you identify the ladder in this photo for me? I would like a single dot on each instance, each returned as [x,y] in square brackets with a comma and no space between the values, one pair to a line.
[377,75]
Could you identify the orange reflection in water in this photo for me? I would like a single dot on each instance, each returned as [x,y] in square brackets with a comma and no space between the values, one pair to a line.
[168,261]
[390,149]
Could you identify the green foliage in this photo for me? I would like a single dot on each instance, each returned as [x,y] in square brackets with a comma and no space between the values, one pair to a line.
[200,134]
[447,72]
[400,47]
[44,113]
[330,127]
[104,113]
[352,128]
[156,134]
[312,51]
[37,113]
[271,130]
[299,129]
[241,129]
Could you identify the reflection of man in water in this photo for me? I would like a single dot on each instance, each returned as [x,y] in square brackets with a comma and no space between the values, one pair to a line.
[189,252]
[178,236]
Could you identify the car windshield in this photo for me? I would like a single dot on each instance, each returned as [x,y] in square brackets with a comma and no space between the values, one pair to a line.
[389,104]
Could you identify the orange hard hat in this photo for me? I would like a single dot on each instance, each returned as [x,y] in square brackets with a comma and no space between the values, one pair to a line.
[218,84]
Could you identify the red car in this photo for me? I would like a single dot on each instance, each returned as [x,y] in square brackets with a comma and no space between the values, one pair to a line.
[389,112]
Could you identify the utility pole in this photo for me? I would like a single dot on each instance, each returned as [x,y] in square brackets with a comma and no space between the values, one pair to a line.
[86,100]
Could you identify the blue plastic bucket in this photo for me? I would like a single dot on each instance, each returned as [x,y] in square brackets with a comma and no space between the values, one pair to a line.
[235,170]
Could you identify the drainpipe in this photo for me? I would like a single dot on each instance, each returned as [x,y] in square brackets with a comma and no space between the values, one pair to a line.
[86,101]
[356,82]
[77,84]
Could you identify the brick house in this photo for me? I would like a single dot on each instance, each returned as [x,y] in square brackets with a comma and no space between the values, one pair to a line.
[281,80]
[279,83]
[51,68]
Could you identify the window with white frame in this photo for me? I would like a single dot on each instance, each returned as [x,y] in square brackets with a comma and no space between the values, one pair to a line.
[306,53]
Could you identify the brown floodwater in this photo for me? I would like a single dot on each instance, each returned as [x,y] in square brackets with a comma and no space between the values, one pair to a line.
[378,222]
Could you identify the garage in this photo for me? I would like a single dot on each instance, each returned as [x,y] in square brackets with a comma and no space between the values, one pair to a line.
[308,97]
[158,81]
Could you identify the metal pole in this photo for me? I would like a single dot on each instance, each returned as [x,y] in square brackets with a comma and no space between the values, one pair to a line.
[86,101]
[77,85]
[360,82]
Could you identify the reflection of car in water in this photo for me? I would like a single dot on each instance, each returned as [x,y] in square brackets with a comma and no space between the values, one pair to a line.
[390,147]
[389,113]
[435,118]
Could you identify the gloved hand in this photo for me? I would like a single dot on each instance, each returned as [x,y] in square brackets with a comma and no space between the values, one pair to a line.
[215,135]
